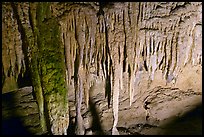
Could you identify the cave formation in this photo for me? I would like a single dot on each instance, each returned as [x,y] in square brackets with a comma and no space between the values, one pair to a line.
[101,68]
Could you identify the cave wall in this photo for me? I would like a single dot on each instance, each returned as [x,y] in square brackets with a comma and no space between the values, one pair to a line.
[43,58]
[135,47]
[126,48]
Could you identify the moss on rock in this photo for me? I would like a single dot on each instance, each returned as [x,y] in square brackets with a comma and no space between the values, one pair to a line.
[51,63]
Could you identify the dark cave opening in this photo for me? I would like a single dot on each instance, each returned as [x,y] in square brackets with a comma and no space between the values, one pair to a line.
[24,80]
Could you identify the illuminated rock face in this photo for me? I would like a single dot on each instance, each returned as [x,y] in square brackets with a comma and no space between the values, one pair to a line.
[141,61]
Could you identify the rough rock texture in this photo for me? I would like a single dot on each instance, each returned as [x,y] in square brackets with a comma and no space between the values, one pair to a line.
[134,57]
[155,110]
[13,61]
[155,115]
[44,60]
[20,113]
[135,47]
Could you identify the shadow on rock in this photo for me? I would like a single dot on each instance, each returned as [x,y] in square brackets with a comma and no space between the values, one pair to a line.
[189,124]
[96,124]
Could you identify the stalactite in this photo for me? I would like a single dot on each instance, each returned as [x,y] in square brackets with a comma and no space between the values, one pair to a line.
[13,55]
[73,44]
[116,91]
[148,51]
[197,52]
[87,66]
[79,95]
[164,58]
[168,55]
[127,40]
[131,87]
[173,73]
[188,50]
[130,35]
[121,76]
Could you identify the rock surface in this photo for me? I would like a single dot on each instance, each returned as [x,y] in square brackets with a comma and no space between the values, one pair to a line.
[20,115]
[163,111]
[158,111]
[135,64]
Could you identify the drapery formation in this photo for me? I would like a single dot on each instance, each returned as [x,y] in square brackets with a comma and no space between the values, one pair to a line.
[126,41]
